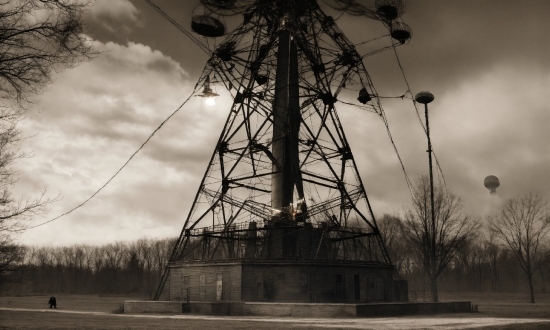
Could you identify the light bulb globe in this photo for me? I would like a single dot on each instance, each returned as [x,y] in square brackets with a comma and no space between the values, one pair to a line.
[210,101]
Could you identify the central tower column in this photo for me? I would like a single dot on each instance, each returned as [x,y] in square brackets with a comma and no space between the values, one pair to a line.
[286,122]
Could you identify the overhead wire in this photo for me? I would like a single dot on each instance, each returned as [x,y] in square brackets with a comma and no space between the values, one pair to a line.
[382,115]
[204,48]
[407,180]
[440,171]
[188,34]
[120,169]
[340,16]
[370,40]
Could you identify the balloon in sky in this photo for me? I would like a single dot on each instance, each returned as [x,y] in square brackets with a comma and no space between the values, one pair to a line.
[491,182]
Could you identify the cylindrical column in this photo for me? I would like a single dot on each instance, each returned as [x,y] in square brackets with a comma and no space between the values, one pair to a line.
[425,98]
[431,181]
[280,119]
[285,141]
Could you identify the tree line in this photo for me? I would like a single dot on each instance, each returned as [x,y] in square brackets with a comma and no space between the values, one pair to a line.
[483,265]
[126,268]
[484,261]
[449,248]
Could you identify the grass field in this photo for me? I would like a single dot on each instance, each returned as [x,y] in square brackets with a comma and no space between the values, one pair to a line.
[497,311]
[505,304]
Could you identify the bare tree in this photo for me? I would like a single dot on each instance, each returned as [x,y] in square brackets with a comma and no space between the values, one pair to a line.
[10,255]
[492,250]
[390,230]
[453,229]
[10,136]
[146,253]
[13,211]
[523,224]
[161,251]
[37,37]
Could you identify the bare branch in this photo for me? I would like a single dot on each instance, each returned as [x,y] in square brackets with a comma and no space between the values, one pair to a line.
[523,224]
[31,48]
[453,229]
[37,38]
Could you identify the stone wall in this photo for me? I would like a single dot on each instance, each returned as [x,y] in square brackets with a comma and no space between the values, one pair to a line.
[369,310]
[295,309]
[298,310]
[155,307]
[316,283]
[201,282]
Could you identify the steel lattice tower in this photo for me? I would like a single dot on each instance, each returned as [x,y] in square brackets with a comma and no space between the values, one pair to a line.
[282,165]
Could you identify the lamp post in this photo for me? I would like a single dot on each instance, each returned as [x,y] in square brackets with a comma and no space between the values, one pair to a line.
[425,98]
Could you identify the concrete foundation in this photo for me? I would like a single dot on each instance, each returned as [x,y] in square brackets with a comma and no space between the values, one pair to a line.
[371,310]
[299,310]
[295,309]
[154,307]
[283,281]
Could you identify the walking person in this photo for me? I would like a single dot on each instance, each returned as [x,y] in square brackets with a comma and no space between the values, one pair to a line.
[52,302]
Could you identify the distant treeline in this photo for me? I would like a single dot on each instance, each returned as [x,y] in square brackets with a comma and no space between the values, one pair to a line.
[128,268]
[134,268]
[482,265]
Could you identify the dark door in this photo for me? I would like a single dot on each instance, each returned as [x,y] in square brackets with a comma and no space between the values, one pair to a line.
[202,287]
[338,288]
[356,288]
[259,286]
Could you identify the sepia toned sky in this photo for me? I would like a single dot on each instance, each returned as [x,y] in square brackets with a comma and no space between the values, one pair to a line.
[487,63]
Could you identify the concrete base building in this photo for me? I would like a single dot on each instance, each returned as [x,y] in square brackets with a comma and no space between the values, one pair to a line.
[296,264]
[279,281]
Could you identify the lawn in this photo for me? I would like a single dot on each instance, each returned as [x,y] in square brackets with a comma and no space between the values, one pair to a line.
[504,304]
[497,311]
[92,303]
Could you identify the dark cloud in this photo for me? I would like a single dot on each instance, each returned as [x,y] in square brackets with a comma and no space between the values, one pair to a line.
[112,18]
[454,40]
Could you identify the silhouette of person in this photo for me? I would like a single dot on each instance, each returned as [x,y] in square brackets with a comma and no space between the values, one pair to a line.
[52,302]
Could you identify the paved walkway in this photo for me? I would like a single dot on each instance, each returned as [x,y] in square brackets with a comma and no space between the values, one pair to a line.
[396,323]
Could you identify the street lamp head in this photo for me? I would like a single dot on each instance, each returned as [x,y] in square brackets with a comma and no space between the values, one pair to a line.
[364,96]
[207,93]
[424,97]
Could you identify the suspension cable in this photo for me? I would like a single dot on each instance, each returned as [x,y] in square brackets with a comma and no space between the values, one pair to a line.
[440,171]
[119,170]
[188,34]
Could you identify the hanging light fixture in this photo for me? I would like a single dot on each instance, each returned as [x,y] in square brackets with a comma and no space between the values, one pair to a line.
[207,93]
[364,96]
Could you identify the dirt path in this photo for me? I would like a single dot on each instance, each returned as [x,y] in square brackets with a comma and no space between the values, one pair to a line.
[356,323]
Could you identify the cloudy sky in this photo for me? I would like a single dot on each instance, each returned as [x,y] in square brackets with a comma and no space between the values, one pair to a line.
[486,62]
